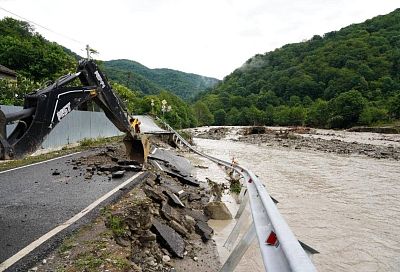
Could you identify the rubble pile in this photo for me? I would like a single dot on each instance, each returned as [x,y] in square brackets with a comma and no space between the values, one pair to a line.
[290,140]
[110,162]
[215,133]
[164,221]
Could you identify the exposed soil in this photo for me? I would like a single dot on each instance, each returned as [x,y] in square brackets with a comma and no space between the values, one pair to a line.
[292,140]
[300,138]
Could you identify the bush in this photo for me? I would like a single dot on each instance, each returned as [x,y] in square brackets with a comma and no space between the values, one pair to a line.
[372,115]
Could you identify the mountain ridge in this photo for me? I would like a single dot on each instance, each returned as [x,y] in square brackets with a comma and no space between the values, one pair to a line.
[185,85]
[356,68]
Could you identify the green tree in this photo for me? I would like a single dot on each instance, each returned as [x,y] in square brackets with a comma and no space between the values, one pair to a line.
[282,115]
[346,109]
[233,117]
[394,106]
[13,92]
[372,115]
[297,116]
[318,114]
[220,117]
[30,54]
[203,114]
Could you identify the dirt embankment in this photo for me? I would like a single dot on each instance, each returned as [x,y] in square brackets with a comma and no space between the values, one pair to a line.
[158,226]
[302,138]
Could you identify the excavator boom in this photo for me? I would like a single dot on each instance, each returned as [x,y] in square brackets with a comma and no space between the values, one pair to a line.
[44,109]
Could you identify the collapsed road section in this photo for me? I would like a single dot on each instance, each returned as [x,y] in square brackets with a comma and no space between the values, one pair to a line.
[158,226]
[39,201]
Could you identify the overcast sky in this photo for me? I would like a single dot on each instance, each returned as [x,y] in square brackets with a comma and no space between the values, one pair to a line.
[207,37]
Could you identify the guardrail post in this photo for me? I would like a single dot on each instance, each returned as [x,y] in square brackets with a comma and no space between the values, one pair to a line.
[243,203]
[236,231]
[241,248]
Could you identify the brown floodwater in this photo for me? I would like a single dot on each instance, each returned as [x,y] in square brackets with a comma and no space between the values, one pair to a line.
[346,207]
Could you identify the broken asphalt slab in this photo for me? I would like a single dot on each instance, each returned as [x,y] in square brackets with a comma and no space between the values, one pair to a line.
[169,238]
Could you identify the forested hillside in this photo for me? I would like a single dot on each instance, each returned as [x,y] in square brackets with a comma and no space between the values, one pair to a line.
[35,59]
[28,53]
[137,76]
[344,78]
[38,61]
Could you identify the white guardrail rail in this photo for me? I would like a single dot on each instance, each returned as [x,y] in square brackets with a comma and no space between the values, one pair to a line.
[280,249]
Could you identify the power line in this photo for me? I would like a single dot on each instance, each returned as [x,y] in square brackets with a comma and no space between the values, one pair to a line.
[41,26]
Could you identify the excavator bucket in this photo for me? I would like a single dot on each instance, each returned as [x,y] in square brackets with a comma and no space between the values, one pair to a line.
[137,147]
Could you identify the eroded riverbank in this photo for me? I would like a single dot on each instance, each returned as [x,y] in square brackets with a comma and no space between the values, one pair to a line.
[345,206]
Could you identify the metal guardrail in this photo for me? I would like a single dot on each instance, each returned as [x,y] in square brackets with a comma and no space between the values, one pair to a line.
[280,249]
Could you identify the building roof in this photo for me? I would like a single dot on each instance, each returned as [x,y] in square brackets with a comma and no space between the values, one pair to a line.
[7,71]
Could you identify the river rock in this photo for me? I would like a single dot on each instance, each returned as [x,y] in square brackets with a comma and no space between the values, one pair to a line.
[217,210]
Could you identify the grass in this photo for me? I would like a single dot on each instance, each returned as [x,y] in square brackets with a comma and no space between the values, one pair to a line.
[235,186]
[88,262]
[88,142]
[393,123]
[67,245]
[116,224]
[186,135]
[84,145]
[120,263]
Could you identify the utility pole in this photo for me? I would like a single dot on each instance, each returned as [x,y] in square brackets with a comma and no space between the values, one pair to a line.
[88,52]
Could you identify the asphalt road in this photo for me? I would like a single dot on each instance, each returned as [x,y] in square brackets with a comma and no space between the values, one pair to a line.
[33,201]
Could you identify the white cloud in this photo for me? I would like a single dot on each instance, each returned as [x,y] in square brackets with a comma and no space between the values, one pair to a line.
[207,37]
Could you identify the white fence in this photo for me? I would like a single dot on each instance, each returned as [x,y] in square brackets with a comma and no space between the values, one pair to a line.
[75,127]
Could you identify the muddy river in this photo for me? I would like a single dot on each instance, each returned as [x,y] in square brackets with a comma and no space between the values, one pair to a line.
[346,207]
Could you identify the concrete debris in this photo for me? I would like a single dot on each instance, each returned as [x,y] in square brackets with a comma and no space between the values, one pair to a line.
[196,214]
[131,168]
[147,236]
[174,199]
[194,197]
[139,217]
[118,174]
[189,223]
[179,228]
[174,188]
[169,213]
[154,194]
[161,222]
[184,179]
[128,162]
[204,230]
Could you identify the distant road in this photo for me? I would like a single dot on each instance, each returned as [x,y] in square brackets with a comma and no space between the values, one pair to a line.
[33,201]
